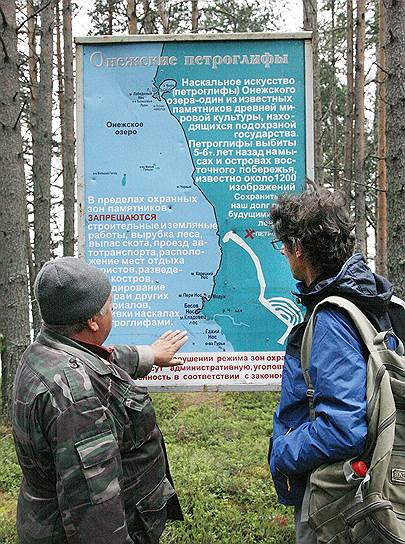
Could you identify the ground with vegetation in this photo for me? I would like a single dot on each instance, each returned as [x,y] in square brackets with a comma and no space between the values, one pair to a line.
[217,444]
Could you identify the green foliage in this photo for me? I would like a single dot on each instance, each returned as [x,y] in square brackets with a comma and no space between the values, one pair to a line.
[217,445]
[10,472]
[99,13]
[10,475]
[333,78]
[7,519]
[236,16]
[214,16]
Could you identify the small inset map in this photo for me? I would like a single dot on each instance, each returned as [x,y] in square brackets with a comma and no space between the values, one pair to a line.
[165,87]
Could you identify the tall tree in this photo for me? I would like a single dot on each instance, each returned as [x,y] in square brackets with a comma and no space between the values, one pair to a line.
[395,64]
[108,16]
[175,16]
[311,24]
[33,124]
[149,25]
[381,204]
[333,99]
[163,15]
[14,320]
[360,192]
[59,68]
[68,133]
[349,102]
[32,58]
[236,16]
[132,17]
[194,16]
[42,141]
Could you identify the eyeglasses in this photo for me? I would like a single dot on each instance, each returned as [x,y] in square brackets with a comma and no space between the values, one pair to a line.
[277,244]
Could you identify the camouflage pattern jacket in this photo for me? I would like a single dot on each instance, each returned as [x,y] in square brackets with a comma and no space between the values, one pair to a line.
[93,459]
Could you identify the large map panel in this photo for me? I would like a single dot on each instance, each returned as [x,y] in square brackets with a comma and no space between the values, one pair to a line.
[186,145]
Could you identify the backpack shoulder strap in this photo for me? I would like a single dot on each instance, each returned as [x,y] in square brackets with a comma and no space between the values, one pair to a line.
[366,330]
[398,301]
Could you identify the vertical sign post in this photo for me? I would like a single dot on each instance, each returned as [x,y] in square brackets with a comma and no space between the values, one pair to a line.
[184,142]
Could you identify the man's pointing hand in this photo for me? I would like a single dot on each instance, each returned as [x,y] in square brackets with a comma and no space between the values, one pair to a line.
[165,347]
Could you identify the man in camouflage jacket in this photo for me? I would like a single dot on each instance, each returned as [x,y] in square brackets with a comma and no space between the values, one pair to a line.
[93,459]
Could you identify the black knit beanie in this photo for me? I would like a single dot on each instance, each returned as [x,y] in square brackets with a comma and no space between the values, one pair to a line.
[68,290]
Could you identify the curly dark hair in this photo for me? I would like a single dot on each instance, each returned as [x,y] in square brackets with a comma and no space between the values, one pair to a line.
[319,220]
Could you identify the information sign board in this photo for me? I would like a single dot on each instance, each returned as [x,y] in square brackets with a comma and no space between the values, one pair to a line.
[184,143]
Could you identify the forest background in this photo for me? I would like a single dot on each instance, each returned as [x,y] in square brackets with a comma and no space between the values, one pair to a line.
[217,441]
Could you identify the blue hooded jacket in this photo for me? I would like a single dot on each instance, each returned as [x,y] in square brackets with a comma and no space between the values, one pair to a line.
[338,373]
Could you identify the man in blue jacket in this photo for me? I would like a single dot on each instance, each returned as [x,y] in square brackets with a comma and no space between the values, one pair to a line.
[314,232]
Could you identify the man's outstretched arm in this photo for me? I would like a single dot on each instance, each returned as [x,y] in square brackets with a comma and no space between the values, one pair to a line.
[138,360]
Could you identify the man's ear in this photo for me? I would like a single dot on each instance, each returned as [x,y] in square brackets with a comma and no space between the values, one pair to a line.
[299,252]
[92,324]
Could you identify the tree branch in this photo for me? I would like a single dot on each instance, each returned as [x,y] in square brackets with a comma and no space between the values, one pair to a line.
[5,24]
[34,14]
[6,57]
[3,17]
[19,115]
[365,185]
[226,13]
[381,68]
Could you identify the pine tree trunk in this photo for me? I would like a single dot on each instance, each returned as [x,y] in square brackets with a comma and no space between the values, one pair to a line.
[42,143]
[335,159]
[33,119]
[132,18]
[164,15]
[148,18]
[311,23]
[14,321]
[32,57]
[110,17]
[68,135]
[348,160]
[381,203]
[395,63]
[31,275]
[360,193]
[59,69]
[194,16]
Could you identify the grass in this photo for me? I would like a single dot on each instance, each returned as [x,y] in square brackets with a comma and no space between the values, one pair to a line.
[9,483]
[217,445]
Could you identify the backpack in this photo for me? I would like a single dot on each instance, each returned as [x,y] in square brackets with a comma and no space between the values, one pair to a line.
[344,507]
